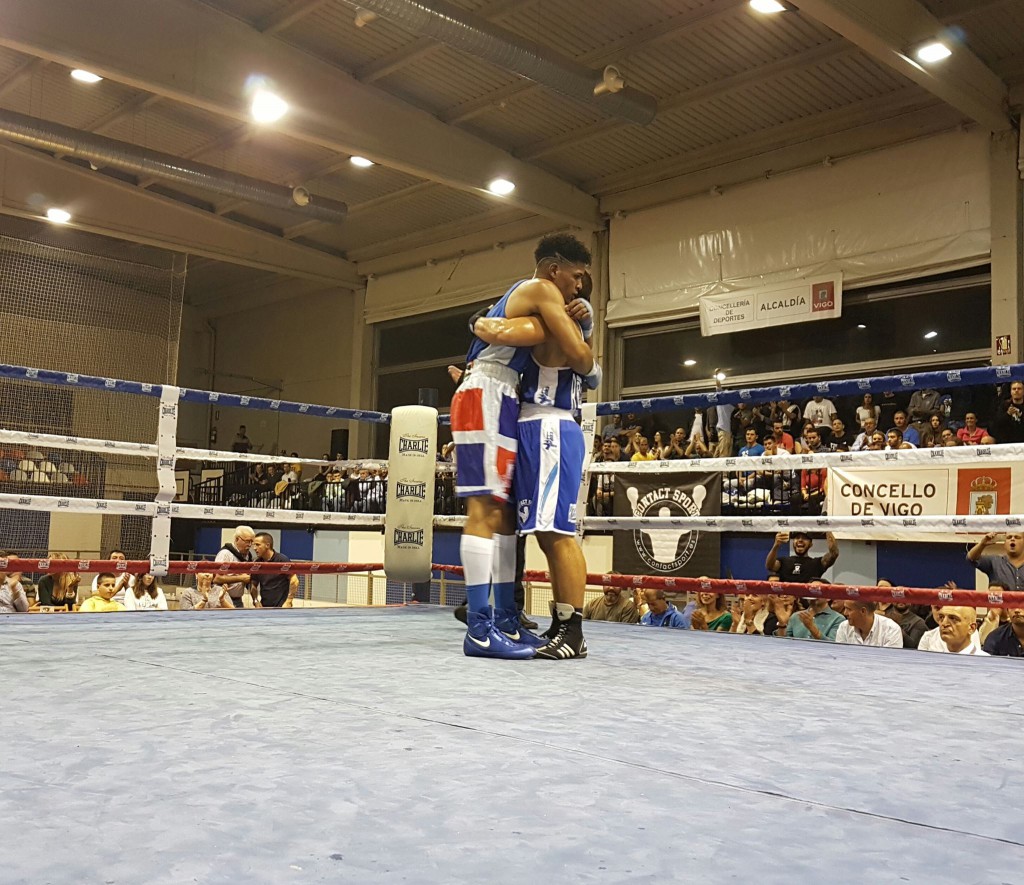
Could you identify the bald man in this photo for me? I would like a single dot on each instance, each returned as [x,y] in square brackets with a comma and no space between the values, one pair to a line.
[958,627]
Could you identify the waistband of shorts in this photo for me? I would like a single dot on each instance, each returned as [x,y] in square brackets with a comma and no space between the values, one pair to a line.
[535,411]
[498,371]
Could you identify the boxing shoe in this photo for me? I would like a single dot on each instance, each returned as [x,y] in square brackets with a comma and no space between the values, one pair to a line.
[484,640]
[568,641]
[507,621]
[552,630]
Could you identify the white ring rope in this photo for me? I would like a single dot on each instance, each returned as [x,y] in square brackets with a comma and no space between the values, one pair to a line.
[883,525]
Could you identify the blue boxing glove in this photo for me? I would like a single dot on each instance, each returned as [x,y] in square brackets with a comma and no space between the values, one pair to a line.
[586,322]
[594,378]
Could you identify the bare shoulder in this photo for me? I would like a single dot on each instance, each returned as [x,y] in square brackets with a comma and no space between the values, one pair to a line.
[527,298]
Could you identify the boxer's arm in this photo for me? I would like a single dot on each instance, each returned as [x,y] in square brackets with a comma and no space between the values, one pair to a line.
[514,332]
[548,304]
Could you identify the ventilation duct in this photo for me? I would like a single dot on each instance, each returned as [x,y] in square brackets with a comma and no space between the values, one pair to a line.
[104,151]
[441,21]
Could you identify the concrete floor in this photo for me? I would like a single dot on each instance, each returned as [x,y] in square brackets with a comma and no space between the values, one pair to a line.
[361,746]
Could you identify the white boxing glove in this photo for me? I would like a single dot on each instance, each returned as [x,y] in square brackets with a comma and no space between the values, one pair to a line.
[594,378]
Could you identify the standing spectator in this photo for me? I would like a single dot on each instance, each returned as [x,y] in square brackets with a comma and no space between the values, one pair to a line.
[235,583]
[103,601]
[146,595]
[711,613]
[867,409]
[863,439]
[612,605]
[1007,640]
[272,591]
[241,442]
[723,425]
[1007,569]
[204,596]
[971,434]
[661,613]
[613,430]
[818,622]
[908,433]
[819,411]
[1008,425]
[790,414]
[59,590]
[864,627]
[888,405]
[800,568]
[643,450]
[13,599]
[923,404]
[912,626]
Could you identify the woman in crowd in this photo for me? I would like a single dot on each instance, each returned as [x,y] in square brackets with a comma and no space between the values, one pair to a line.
[931,436]
[867,409]
[877,441]
[971,434]
[660,448]
[59,590]
[146,595]
[949,438]
[711,613]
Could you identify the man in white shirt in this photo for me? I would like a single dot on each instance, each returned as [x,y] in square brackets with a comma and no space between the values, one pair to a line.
[863,440]
[956,634]
[864,627]
[820,412]
[234,584]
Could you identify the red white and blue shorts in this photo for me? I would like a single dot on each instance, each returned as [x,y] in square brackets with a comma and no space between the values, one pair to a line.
[484,413]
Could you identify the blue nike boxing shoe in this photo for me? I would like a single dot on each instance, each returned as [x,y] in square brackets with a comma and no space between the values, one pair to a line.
[507,621]
[485,640]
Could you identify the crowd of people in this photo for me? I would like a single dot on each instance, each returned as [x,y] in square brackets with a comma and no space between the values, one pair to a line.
[949,629]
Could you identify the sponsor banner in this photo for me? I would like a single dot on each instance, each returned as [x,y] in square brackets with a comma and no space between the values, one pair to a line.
[982,489]
[650,551]
[819,298]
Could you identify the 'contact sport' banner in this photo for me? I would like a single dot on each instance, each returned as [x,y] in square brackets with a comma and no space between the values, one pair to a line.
[667,551]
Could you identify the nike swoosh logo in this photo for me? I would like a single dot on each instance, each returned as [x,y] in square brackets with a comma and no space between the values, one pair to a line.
[513,636]
[486,644]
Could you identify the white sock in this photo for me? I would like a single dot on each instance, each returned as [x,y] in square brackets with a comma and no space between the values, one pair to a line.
[477,554]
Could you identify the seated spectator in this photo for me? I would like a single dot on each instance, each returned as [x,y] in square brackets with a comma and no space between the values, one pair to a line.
[783,440]
[711,613]
[866,411]
[660,445]
[840,440]
[912,626]
[780,611]
[907,433]
[1007,640]
[697,449]
[146,595]
[819,412]
[864,627]
[1006,569]
[749,614]
[59,590]
[958,630]
[661,613]
[864,437]
[103,601]
[205,595]
[676,448]
[877,443]
[894,440]
[810,440]
[931,436]
[948,439]
[124,580]
[751,448]
[971,434]
[612,605]
[800,568]
[813,488]
[818,621]
[13,599]
[643,450]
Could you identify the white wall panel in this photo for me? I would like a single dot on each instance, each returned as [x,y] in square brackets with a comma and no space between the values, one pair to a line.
[914,207]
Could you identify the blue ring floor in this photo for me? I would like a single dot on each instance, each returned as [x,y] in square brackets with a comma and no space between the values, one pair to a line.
[354,745]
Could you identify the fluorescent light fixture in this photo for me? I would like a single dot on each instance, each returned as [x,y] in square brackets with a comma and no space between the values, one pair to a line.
[719,376]
[689,362]
[85,76]
[767,7]
[361,162]
[932,52]
[861,326]
[930,335]
[501,186]
[267,107]
[58,216]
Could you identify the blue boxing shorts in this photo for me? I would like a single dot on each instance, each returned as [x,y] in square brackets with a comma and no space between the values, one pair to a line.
[549,469]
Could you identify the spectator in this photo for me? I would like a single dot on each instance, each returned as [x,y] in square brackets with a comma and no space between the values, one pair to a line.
[711,613]
[751,447]
[697,449]
[813,486]
[994,618]
[907,433]
[613,430]
[1006,569]
[867,410]
[332,493]
[661,613]
[749,614]
[864,627]
[971,434]
[124,580]
[146,595]
[923,404]
[912,626]
[863,439]
[949,439]
[800,568]
[958,628]
[840,441]
[888,405]
[13,599]
[783,440]
[877,443]
[241,442]
[819,411]
[790,414]
[676,448]
[723,425]
[272,591]
[236,582]
[1007,640]
[205,595]
[103,601]
[643,450]
[1008,425]
[818,622]
[931,436]
[59,590]
[894,440]
[612,605]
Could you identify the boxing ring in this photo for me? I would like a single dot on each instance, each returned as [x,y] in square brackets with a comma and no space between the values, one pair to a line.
[358,744]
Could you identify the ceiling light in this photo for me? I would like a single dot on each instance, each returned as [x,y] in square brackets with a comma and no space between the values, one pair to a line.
[58,216]
[689,362]
[767,7]
[861,326]
[719,376]
[933,51]
[361,162]
[930,335]
[267,107]
[85,76]
[501,186]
